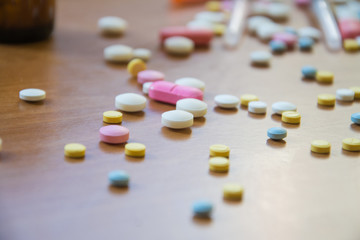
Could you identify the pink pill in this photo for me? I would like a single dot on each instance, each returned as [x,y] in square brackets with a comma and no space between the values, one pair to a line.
[114,134]
[201,37]
[288,38]
[169,92]
[303,2]
[150,76]
[349,28]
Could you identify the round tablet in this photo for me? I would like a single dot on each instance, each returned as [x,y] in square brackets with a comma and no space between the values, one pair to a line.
[355,118]
[257,107]
[219,29]
[142,53]
[179,45]
[277,133]
[112,117]
[278,11]
[146,87]
[130,102]
[266,30]
[345,94]
[326,99]
[118,53]
[200,24]
[112,25]
[135,66]
[305,43]
[320,146]
[246,98]
[219,164]
[135,149]
[191,82]
[74,150]
[356,89]
[277,46]
[114,134]
[213,17]
[308,71]
[226,101]
[233,191]
[177,119]
[351,144]
[260,57]
[255,22]
[219,150]
[194,106]
[202,209]
[288,38]
[150,76]
[119,178]
[32,94]
[324,77]
[309,32]
[280,107]
[291,117]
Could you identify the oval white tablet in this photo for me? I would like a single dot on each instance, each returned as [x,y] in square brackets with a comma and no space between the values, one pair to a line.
[191,82]
[278,10]
[280,107]
[257,107]
[112,25]
[142,53]
[309,32]
[226,101]
[177,119]
[260,57]
[146,87]
[32,94]
[118,53]
[212,17]
[194,106]
[179,45]
[344,94]
[130,102]
[255,22]
[266,30]
[200,24]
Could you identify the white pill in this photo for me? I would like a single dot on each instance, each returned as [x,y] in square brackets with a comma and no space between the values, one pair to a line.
[194,106]
[278,10]
[118,53]
[213,17]
[146,87]
[191,82]
[130,102]
[142,53]
[280,107]
[309,32]
[255,22]
[344,94]
[32,94]
[200,24]
[177,119]
[112,25]
[259,8]
[358,40]
[179,45]
[267,29]
[226,101]
[257,107]
[260,57]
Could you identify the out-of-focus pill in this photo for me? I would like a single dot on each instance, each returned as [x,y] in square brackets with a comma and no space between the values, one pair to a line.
[320,146]
[255,22]
[213,6]
[169,92]
[247,98]
[219,29]
[324,77]
[288,38]
[213,17]
[201,37]
[326,99]
[130,102]
[179,45]
[119,178]
[351,45]
[150,76]
[278,11]
[74,150]
[291,117]
[112,25]
[194,106]
[355,118]
[305,43]
[280,107]
[356,91]
[358,40]
[260,58]
[226,101]
[114,134]
[202,209]
[351,144]
[277,133]
[135,66]
[177,119]
[266,31]
[112,117]
[200,24]
[259,8]
[219,150]
[135,149]
[303,2]
[291,30]
[219,164]
[32,94]
[310,32]
[191,82]
[257,107]
[349,28]
[277,46]
[142,53]
[345,94]
[308,71]
[233,191]
[146,87]
[118,53]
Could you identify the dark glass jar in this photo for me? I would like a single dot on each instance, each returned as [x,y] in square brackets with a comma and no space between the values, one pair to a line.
[26,20]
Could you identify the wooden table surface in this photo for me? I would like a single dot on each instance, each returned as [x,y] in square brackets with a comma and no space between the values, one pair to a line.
[290,193]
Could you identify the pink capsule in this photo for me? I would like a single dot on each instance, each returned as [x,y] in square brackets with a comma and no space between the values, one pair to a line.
[201,37]
[349,28]
[169,92]
[288,38]
[150,76]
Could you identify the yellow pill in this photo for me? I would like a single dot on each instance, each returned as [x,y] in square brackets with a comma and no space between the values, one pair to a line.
[135,149]
[351,45]
[291,117]
[112,117]
[326,99]
[219,29]
[357,92]
[233,191]
[320,146]
[213,6]
[351,144]
[74,150]
[324,77]
[135,66]
[219,164]
[219,150]
[246,98]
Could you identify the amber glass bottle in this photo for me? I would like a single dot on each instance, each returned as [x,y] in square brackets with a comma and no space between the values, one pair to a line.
[26,20]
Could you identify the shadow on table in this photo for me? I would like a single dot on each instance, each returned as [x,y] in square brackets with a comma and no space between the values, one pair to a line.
[320,155]
[202,221]
[355,127]
[350,153]
[226,111]
[176,134]
[276,143]
[118,190]
[111,148]
[199,121]
[256,116]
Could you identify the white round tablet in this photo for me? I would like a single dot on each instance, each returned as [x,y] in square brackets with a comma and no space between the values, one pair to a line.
[112,25]
[260,57]
[226,101]
[32,94]
[118,53]
[130,102]
[213,17]
[142,53]
[266,30]
[257,107]
[255,22]
[280,107]
[194,106]
[146,87]
[191,82]
[179,45]
[200,24]
[344,94]
[177,119]
[278,10]
[309,32]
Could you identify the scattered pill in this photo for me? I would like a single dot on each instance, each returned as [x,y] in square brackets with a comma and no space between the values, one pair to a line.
[278,11]
[255,22]
[326,99]
[309,32]
[259,8]
[32,94]
[291,30]
[355,118]
[277,46]
[257,107]
[135,66]
[214,6]
[345,94]
[320,146]
[277,133]
[194,106]
[291,117]
[142,53]
[260,58]
[351,45]
[233,191]
[226,101]
[119,178]
[308,71]
[356,91]
[201,37]
[247,98]
[191,82]
[266,30]
[118,53]
[351,144]
[349,28]
[303,2]
[202,209]
[112,117]
[219,150]
[358,40]
[112,25]
[114,134]
[213,17]
[324,77]
[177,119]
[305,43]
[280,107]
[219,29]
[200,24]
[288,38]
[179,45]
[135,149]
[130,102]
[219,164]
[150,76]
[74,150]
[146,87]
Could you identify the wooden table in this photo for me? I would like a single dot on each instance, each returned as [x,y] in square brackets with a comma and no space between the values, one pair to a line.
[290,193]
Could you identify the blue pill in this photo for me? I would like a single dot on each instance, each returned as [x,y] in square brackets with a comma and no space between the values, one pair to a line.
[202,209]
[277,46]
[119,178]
[277,133]
[355,118]
[308,71]
[290,30]
[305,43]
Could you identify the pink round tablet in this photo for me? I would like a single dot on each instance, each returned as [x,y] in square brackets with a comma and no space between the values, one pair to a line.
[150,76]
[303,2]
[114,134]
[288,38]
